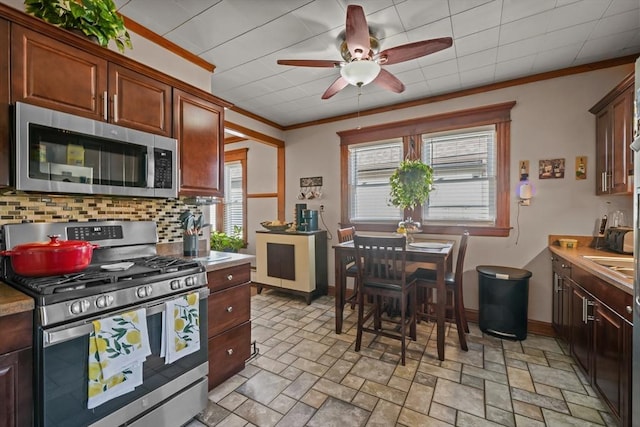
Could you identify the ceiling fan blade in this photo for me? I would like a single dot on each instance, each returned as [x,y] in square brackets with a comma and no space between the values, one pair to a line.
[388,81]
[357,32]
[310,63]
[409,51]
[335,87]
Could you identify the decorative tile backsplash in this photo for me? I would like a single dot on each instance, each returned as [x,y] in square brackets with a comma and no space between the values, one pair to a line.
[15,208]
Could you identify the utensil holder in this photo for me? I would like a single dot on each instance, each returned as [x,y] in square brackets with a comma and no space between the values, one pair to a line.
[190,244]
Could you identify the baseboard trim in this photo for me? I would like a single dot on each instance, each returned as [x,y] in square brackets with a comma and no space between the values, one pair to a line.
[533,326]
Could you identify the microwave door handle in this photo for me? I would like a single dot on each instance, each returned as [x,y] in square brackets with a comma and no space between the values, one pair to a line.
[150,168]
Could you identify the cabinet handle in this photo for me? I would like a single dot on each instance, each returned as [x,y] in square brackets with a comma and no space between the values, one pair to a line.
[230,277]
[115,108]
[558,286]
[105,106]
[230,351]
[584,310]
[229,309]
[629,309]
[565,266]
[604,181]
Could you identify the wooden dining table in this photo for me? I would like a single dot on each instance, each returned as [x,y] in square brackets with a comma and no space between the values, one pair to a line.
[436,252]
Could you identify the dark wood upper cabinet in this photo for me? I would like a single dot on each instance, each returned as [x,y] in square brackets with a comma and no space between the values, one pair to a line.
[198,126]
[614,134]
[55,75]
[5,98]
[139,101]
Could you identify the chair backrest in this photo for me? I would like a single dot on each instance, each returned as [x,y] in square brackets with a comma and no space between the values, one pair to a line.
[462,250]
[381,259]
[346,234]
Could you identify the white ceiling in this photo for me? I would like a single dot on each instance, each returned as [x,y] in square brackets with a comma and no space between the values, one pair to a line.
[493,41]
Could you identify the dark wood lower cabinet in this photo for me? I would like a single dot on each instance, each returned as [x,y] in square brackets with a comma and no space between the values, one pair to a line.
[229,328]
[600,339]
[228,352]
[16,367]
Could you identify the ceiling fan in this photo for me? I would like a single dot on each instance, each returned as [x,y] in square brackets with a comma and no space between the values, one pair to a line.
[362,63]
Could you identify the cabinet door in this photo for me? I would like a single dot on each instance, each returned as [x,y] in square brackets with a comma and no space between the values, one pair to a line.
[5,143]
[612,358]
[55,75]
[621,154]
[139,102]
[603,148]
[198,126]
[581,336]
[15,389]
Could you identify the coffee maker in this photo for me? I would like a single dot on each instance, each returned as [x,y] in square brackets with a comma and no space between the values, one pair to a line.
[310,220]
[300,207]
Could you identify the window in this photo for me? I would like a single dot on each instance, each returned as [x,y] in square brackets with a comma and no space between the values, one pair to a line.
[233,197]
[469,152]
[233,211]
[464,174]
[370,166]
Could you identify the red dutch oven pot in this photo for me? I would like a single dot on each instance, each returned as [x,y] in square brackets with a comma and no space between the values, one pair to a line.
[50,258]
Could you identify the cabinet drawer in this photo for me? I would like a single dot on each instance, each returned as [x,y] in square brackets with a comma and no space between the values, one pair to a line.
[17,331]
[228,308]
[616,299]
[227,277]
[228,352]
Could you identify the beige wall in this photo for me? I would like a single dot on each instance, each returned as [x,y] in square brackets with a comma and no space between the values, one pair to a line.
[550,120]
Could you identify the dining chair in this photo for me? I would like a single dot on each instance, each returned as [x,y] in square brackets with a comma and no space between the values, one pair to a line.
[351,269]
[426,283]
[381,264]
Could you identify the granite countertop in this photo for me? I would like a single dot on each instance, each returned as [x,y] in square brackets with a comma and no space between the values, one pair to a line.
[219,260]
[13,301]
[576,257]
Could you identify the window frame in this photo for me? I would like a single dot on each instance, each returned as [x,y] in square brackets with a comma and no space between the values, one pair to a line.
[498,115]
[239,155]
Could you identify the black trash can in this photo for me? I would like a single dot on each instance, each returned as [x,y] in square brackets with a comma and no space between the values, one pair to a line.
[504,299]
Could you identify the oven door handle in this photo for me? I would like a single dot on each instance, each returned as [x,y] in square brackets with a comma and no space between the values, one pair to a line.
[57,336]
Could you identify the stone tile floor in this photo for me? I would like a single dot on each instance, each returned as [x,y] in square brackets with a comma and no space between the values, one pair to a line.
[306,375]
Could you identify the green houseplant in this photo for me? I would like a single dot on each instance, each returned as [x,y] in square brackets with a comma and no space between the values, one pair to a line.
[411,184]
[95,18]
[224,242]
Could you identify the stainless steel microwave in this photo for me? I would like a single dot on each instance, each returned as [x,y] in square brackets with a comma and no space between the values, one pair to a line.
[62,153]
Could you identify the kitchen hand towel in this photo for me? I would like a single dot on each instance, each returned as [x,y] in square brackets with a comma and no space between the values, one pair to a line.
[181,327]
[118,346]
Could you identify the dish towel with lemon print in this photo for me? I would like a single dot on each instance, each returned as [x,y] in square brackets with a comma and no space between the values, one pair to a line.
[181,327]
[118,346]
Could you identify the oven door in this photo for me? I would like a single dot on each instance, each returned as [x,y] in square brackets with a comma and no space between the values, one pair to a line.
[62,376]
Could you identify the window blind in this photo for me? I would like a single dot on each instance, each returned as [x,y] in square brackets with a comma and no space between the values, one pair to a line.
[233,196]
[464,169]
[370,167]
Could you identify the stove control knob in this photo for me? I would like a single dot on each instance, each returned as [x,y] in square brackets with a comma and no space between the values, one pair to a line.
[190,281]
[78,307]
[104,301]
[144,291]
[175,284]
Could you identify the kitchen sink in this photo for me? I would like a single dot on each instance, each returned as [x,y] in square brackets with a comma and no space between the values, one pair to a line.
[623,265]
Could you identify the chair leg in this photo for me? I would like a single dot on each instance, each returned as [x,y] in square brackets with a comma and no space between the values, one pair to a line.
[377,322]
[360,319]
[403,328]
[413,312]
[460,320]
[460,311]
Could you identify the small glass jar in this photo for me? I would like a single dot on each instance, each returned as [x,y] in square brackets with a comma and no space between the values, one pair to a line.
[409,227]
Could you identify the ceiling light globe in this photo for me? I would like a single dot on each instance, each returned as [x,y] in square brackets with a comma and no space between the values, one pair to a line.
[360,73]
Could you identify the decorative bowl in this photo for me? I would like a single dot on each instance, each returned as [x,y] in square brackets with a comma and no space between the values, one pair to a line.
[275,227]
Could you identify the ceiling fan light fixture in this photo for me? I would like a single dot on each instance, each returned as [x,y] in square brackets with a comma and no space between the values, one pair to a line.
[360,73]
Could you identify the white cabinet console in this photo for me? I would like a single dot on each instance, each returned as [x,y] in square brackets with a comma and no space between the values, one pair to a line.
[292,262]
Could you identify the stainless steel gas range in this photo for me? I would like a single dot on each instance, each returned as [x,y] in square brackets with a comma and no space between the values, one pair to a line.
[66,306]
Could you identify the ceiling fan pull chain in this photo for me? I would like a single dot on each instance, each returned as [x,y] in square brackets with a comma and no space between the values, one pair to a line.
[359,94]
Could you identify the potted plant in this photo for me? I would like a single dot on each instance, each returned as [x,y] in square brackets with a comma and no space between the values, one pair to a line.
[94,18]
[411,184]
[223,242]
